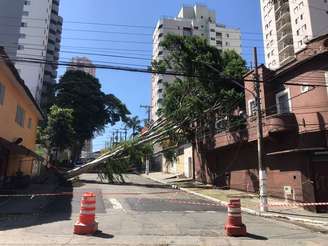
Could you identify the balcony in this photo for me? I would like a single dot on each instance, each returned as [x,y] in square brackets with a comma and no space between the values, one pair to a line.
[280,4]
[283,36]
[283,16]
[272,125]
[286,53]
[285,122]
[284,25]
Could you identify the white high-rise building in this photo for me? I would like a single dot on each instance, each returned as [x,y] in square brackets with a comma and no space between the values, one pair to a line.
[288,25]
[32,30]
[195,20]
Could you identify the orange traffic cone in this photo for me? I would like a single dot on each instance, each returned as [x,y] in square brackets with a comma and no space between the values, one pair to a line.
[86,223]
[234,225]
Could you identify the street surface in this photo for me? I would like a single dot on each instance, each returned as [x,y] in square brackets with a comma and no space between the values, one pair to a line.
[141,212]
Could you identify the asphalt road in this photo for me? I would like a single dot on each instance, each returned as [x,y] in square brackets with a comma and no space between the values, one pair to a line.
[142,212]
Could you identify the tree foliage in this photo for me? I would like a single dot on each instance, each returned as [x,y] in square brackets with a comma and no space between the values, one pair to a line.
[133,156]
[205,85]
[134,124]
[92,109]
[58,132]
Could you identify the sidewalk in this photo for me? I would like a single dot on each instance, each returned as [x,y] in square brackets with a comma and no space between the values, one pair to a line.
[249,201]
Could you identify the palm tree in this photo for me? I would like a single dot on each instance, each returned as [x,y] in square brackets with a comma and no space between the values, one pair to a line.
[134,124]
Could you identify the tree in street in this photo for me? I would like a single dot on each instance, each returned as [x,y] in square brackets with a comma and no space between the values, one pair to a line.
[58,133]
[135,124]
[194,101]
[132,157]
[92,109]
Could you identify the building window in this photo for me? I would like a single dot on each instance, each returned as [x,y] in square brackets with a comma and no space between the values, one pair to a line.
[301,17]
[305,88]
[196,27]
[212,30]
[304,27]
[326,79]
[228,35]
[20,47]
[227,44]
[283,102]
[25,13]
[160,35]
[160,26]
[251,107]
[20,116]
[29,124]
[22,35]
[213,39]
[2,94]
[159,81]
[23,24]
[27,2]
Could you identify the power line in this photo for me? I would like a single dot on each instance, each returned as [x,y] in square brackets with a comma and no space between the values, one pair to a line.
[144,70]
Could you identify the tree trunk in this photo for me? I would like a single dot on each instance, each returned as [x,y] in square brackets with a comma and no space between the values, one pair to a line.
[76,151]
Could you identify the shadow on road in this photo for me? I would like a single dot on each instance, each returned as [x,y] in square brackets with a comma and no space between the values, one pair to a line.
[25,211]
[256,237]
[147,185]
[101,234]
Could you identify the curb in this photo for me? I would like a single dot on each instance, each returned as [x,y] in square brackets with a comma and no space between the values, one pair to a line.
[319,223]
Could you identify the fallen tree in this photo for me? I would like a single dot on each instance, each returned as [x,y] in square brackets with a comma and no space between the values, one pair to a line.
[153,134]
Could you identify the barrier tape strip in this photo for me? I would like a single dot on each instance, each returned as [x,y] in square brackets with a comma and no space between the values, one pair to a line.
[298,204]
[32,195]
[77,192]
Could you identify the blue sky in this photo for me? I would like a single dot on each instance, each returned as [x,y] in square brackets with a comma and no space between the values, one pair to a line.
[134,88]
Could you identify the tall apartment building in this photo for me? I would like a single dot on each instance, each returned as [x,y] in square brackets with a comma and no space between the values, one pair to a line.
[80,63]
[288,25]
[32,29]
[195,20]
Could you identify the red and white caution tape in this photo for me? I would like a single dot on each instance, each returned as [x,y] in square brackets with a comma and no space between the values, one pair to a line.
[298,204]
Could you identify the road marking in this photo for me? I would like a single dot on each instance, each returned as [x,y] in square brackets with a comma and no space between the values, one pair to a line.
[116,204]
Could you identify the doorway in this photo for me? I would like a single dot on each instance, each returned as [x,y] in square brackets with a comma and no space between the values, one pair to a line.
[321,184]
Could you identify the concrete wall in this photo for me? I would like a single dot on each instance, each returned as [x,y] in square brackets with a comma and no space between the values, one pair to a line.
[10,23]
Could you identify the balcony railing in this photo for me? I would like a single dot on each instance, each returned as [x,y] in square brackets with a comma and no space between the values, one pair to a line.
[279,4]
[281,123]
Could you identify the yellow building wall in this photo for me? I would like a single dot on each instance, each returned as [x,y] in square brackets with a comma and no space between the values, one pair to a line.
[9,129]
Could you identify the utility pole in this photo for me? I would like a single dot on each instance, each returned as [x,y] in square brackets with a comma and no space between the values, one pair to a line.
[148,110]
[262,170]
[257,97]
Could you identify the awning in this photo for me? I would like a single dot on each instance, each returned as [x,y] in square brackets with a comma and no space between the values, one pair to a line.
[19,149]
[297,150]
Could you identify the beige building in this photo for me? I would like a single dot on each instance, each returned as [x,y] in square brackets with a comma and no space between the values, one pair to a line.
[195,20]
[288,25]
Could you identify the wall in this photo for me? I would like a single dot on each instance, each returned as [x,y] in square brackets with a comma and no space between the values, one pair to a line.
[39,12]
[9,129]
[10,22]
